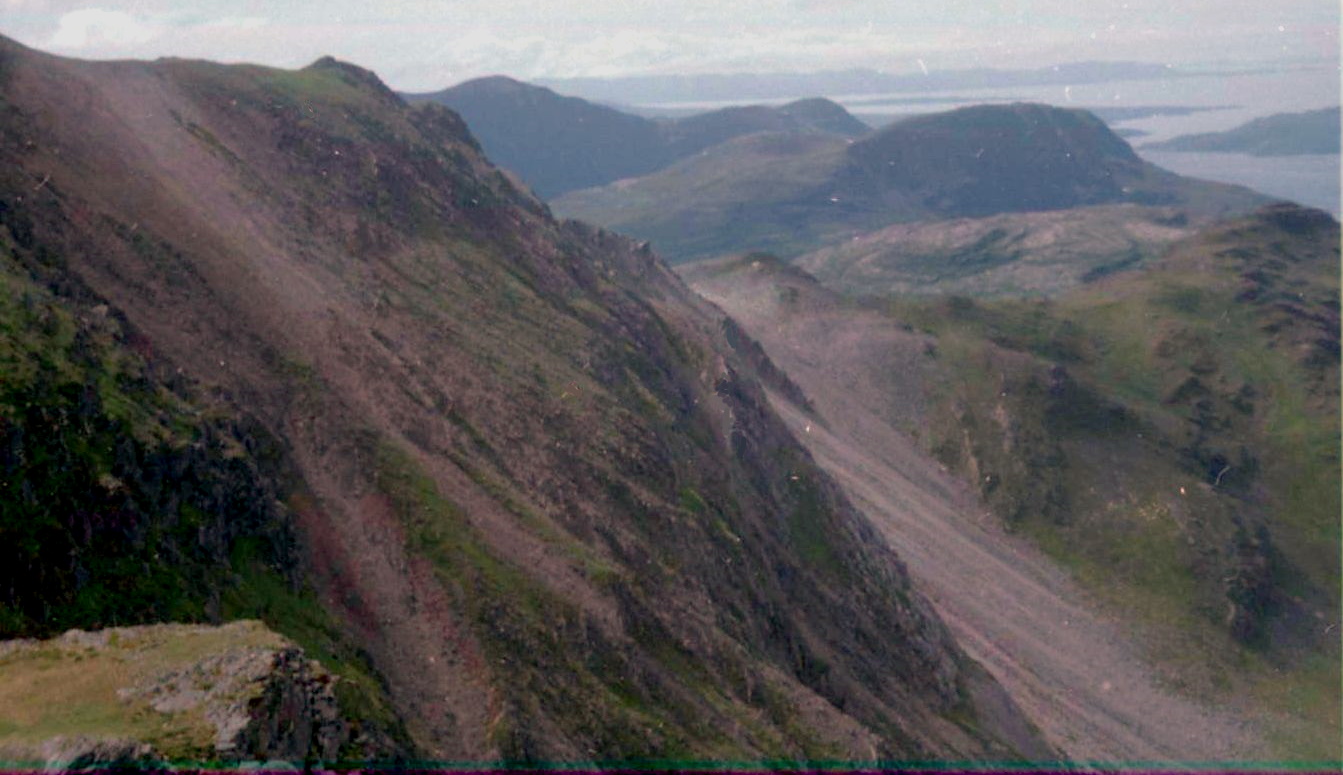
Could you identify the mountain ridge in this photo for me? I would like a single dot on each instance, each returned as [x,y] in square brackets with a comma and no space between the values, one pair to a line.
[558,143]
[538,486]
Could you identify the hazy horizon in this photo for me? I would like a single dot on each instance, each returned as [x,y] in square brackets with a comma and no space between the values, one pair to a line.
[419,46]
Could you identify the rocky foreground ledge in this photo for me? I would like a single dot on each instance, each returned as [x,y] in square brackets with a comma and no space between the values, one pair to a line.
[165,693]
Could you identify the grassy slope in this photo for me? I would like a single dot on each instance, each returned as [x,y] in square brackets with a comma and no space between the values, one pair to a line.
[750,191]
[1013,254]
[1146,429]
[62,687]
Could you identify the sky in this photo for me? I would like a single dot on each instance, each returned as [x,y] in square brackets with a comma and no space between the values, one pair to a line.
[419,46]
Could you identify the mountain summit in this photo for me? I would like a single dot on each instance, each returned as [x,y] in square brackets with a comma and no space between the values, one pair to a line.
[989,159]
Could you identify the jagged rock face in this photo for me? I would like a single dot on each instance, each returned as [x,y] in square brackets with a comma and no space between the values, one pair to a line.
[537,483]
[263,703]
[233,693]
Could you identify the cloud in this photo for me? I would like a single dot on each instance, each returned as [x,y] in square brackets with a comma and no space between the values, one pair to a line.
[101,32]
[97,28]
[235,22]
[644,50]
[426,44]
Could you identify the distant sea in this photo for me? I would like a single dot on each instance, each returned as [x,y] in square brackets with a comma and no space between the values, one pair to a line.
[1309,180]
[1190,103]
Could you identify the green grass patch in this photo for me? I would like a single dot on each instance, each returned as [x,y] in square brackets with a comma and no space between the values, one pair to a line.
[67,689]
[810,523]
[1310,727]
[1182,368]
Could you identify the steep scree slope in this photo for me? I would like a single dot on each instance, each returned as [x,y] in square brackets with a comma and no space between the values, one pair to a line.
[539,488]
[132,495]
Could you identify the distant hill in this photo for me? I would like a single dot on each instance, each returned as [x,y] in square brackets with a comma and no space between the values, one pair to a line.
[554,143]
[785,195]
[695,133]
[1282,134]
[558,144]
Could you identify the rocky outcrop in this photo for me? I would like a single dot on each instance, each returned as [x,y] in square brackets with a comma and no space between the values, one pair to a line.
[263,702]
[234,693]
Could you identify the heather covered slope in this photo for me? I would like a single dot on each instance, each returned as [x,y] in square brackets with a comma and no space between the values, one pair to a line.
[558,144]
[538,486]
[788,198]
[1167,434]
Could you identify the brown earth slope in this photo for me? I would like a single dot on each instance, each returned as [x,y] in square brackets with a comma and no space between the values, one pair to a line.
[539,487]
